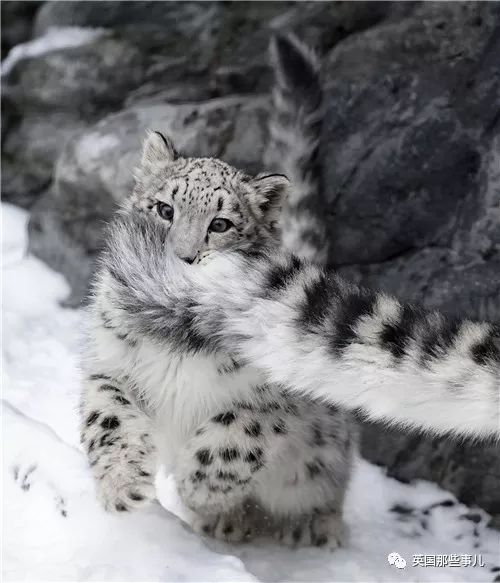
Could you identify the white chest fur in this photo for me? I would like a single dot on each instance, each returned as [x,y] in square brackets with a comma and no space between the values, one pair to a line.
[179,391]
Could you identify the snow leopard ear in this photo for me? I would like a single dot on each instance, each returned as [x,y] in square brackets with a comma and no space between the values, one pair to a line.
[271,192]
[158,152]
[157,149]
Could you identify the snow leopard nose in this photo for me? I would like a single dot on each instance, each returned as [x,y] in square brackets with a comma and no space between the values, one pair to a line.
[188,259]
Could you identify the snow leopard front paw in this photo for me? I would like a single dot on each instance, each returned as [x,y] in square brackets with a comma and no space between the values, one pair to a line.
[326,531]
[125,496]
[228,527]
[125,485]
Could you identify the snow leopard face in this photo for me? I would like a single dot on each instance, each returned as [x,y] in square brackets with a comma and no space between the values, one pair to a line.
[206,204]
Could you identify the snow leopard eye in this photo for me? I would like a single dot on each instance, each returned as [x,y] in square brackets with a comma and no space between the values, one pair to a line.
[220,225]
[165,210]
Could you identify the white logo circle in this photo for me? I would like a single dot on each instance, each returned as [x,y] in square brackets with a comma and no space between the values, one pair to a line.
[397,560]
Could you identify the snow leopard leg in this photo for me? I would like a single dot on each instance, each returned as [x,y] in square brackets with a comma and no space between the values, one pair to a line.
[275,465]
[216,473]
[304,488]
[117,437]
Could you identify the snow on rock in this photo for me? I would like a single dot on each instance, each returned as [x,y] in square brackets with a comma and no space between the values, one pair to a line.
[55,38]
[54,529]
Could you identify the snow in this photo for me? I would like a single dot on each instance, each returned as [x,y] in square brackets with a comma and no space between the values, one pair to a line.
[55,38]
[54,529]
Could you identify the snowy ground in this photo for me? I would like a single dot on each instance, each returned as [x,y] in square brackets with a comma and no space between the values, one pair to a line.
[53,529]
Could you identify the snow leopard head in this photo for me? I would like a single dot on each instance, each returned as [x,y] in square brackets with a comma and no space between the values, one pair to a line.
[206,204]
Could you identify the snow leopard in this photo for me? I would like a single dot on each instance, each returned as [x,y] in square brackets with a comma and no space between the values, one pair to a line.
[305,327]
[247,456]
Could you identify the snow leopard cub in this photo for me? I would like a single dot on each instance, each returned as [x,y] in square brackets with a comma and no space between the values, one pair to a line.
[247,458]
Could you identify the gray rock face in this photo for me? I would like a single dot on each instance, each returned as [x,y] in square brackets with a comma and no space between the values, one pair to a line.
[164,51]
[410,148]
[145,48]
[413,128]
[186,17]
[20,16]
[55,95]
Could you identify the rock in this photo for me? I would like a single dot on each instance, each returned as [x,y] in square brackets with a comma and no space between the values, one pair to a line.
[29,154]
[146,49]
[56,94]
[144,52]
[88,79]
[17,23]
[186,18]
[94,173]
[245,27]
[323,25]
[412,128]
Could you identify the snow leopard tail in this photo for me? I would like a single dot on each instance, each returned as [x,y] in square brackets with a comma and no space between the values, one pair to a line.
[295,126]
[309,330]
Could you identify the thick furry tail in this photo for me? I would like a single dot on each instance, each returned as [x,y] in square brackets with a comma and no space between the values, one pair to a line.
[309,330]
[295,127]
